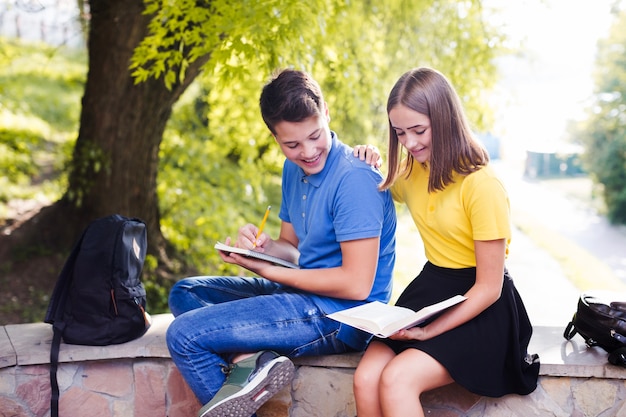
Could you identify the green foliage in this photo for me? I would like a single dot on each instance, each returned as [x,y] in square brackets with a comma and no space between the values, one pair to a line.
[604,132]
[220,167]
[215,178]
[613,178]
[89,158]
[40,90]
[16,149]
[356,50]
[44,83]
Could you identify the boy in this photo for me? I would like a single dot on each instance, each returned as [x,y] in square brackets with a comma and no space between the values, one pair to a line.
[232,335]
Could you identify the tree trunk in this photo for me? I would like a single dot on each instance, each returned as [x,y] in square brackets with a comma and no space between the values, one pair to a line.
[115,160]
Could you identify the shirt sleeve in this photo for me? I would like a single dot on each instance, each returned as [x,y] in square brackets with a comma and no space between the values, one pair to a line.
[488,207]
[359,206]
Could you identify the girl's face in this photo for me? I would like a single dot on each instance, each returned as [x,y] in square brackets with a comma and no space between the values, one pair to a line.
[413,131]
[306,143]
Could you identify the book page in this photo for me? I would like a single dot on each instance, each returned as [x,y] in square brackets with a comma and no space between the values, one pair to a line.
[422,315]
[379,314]
[372,317]
[383,319]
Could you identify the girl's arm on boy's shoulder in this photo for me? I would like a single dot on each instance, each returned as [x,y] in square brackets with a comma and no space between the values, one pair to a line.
[368,153]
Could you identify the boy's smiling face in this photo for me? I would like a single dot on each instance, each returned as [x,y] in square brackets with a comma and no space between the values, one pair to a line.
[306,143]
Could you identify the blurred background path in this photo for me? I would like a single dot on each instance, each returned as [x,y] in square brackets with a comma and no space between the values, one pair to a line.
[564,246]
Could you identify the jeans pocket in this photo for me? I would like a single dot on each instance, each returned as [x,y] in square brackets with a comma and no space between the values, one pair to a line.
[326,344]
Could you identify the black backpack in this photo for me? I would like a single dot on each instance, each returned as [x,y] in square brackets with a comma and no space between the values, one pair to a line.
[601,324]
[99,298]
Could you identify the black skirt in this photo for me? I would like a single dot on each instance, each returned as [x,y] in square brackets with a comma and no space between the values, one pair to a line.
[488,354]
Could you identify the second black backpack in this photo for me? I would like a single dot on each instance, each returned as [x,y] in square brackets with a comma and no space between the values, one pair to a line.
[600,323]
[99,298]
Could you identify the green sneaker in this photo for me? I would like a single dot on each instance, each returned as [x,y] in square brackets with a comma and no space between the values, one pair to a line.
[250,383]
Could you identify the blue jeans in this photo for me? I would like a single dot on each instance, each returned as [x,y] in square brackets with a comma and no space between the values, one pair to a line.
[218,317]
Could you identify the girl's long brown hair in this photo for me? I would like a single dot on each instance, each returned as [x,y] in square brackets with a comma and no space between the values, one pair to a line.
[453,146]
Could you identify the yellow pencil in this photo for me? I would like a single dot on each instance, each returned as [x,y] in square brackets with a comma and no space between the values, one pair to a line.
[258,234]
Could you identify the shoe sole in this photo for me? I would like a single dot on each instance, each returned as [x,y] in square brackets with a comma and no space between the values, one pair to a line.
[263,386]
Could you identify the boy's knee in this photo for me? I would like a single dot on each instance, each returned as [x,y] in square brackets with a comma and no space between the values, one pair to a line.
[177,336]
[172,336]
[177,293]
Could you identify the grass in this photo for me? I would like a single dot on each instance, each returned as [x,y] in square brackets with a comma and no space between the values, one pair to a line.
[40,98]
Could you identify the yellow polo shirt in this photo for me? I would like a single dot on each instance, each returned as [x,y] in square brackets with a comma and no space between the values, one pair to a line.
[474,207]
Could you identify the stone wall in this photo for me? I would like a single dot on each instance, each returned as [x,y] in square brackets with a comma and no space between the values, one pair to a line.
[138,379]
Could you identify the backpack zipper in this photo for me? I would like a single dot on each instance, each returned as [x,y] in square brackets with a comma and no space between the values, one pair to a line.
[113,300]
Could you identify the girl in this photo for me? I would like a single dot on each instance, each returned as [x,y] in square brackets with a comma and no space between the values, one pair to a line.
[461,210]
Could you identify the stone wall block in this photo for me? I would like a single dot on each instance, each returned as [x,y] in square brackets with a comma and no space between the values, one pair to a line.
[150,397]
[451,396]
[558,391]
[35,393]
[77,402]
[592,397]
[123,408]
[8,379]
[182,401]
[112,378]
[620,409]
[278,405]
[333,385]
[66,372]
[521,406]
[11,408]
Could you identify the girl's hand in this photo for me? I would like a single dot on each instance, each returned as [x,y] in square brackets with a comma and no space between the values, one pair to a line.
[368,153]
[414,333]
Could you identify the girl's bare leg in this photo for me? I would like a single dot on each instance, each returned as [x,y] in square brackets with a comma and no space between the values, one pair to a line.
[405,378]
[367,379]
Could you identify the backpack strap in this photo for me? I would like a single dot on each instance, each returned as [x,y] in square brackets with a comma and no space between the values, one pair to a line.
[54,362]
[54,316]
[618,357]
[59,295]
[570,330]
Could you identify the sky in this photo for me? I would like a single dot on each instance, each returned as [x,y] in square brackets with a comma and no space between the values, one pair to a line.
[537,95]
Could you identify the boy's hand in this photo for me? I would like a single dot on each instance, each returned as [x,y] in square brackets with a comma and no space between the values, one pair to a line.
[368,153]
[255,265]
[247,236]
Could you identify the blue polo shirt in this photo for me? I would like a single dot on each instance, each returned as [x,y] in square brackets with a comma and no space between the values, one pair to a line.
[341,203]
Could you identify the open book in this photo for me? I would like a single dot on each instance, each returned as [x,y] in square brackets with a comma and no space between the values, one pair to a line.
[254,254]
[383,320]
